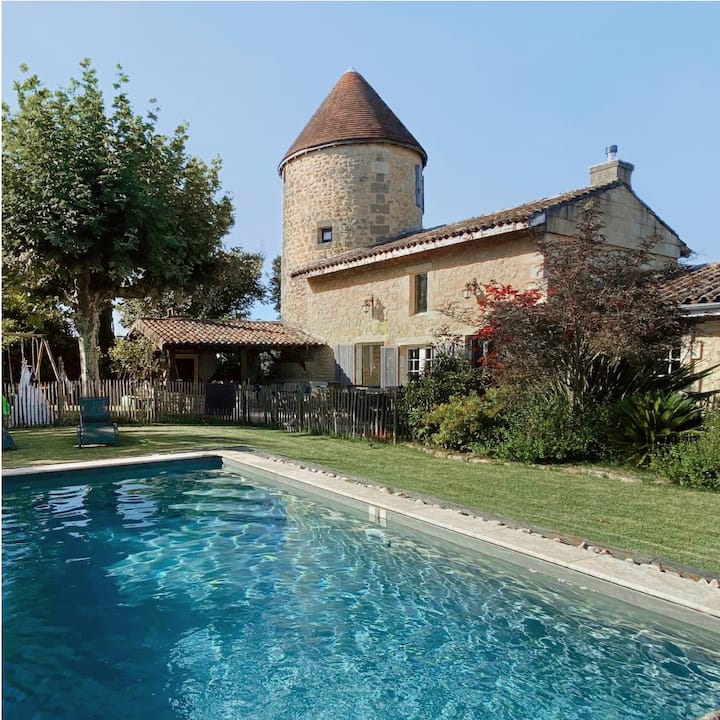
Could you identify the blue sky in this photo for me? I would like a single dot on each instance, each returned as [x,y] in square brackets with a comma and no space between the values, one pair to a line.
[512,101]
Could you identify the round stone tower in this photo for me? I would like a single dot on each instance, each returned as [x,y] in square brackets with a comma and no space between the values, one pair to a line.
[352,178]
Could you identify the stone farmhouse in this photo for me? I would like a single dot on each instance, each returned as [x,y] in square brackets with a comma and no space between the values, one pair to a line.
[362,281]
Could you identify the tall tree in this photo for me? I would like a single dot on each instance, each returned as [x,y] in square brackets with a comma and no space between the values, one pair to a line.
[227,292]
[103,201]
[275,283]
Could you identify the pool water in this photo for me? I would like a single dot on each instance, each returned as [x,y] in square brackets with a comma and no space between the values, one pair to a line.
[207,595]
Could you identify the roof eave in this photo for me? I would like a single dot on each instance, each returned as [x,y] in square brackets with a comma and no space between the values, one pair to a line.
[697,310]
[685,251]
[240,345]
[397,253]
[352,141]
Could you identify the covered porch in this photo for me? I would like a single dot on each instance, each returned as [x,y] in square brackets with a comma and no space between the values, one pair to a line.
[244,351]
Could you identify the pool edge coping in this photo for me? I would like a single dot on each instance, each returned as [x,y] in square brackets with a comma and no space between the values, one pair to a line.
[647,579]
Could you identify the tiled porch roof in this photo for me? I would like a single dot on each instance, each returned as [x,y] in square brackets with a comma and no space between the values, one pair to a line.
[170,331]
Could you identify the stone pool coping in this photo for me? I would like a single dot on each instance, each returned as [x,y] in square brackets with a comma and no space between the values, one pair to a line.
[647,578]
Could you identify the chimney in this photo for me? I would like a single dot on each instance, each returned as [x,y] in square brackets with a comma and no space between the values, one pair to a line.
[611,170]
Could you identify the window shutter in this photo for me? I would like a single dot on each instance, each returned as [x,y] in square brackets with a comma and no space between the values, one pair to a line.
[389,366]
[403,367]
[345,364]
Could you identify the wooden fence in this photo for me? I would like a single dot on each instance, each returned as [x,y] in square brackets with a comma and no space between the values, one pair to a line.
[316,408]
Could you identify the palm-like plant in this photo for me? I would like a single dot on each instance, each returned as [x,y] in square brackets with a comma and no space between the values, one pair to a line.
[607,379]
[657,417]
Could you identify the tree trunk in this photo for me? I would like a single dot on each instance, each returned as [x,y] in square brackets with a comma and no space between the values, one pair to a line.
[87,323]
[106,336]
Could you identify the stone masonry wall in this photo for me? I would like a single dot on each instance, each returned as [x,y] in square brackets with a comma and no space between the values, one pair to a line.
[705,347]
[318,364]
[335,302]
[364,192]
[626,222]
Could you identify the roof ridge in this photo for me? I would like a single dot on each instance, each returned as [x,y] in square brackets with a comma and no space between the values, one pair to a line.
[217,321]
[214,331]
[576,195]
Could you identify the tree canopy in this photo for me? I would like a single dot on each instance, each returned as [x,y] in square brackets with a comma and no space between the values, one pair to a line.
[226,292]
[275,283]
[99,202]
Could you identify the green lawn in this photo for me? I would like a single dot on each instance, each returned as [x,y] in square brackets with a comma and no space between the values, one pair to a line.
[661,520]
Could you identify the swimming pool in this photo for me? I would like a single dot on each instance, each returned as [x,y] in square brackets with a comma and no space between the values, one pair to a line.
[192,591]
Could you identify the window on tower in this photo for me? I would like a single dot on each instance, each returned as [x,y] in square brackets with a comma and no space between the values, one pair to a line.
[325,235]
[419,188]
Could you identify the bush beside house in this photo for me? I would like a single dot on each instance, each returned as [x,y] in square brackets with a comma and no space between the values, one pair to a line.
[659,427]
[694,461]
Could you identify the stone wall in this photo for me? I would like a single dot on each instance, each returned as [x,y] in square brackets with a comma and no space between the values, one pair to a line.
[626,222]
[205,361]
[335,301]
[705,349]
[318,364]
[364,192]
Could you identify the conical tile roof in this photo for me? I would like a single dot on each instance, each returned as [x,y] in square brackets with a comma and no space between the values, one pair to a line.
[352,112]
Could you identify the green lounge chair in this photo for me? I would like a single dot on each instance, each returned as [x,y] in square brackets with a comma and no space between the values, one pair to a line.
[96,427]
[8,442]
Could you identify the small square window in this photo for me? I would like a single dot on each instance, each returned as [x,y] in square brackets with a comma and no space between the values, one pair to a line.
[325,235]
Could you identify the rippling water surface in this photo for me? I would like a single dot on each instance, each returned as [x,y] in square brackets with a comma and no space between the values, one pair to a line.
[207,595]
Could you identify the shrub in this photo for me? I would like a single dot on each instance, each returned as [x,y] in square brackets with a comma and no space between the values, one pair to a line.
[459,424]
[448,375]
[136,358]
[548,429]
[644,422]
[694,461]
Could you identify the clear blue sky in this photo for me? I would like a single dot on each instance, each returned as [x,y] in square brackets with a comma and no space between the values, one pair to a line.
[511,101]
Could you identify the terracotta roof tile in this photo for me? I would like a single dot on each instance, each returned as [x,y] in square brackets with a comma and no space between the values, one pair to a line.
[700,284]
[519,214]
[253,333]
[352,112]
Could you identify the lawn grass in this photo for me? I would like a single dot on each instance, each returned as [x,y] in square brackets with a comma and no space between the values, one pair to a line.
[661,520]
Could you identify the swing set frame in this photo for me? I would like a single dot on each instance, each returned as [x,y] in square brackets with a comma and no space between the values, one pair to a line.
[39,346]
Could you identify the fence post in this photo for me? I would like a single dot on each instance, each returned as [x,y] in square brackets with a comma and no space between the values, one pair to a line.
[61,401]
[300,404]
